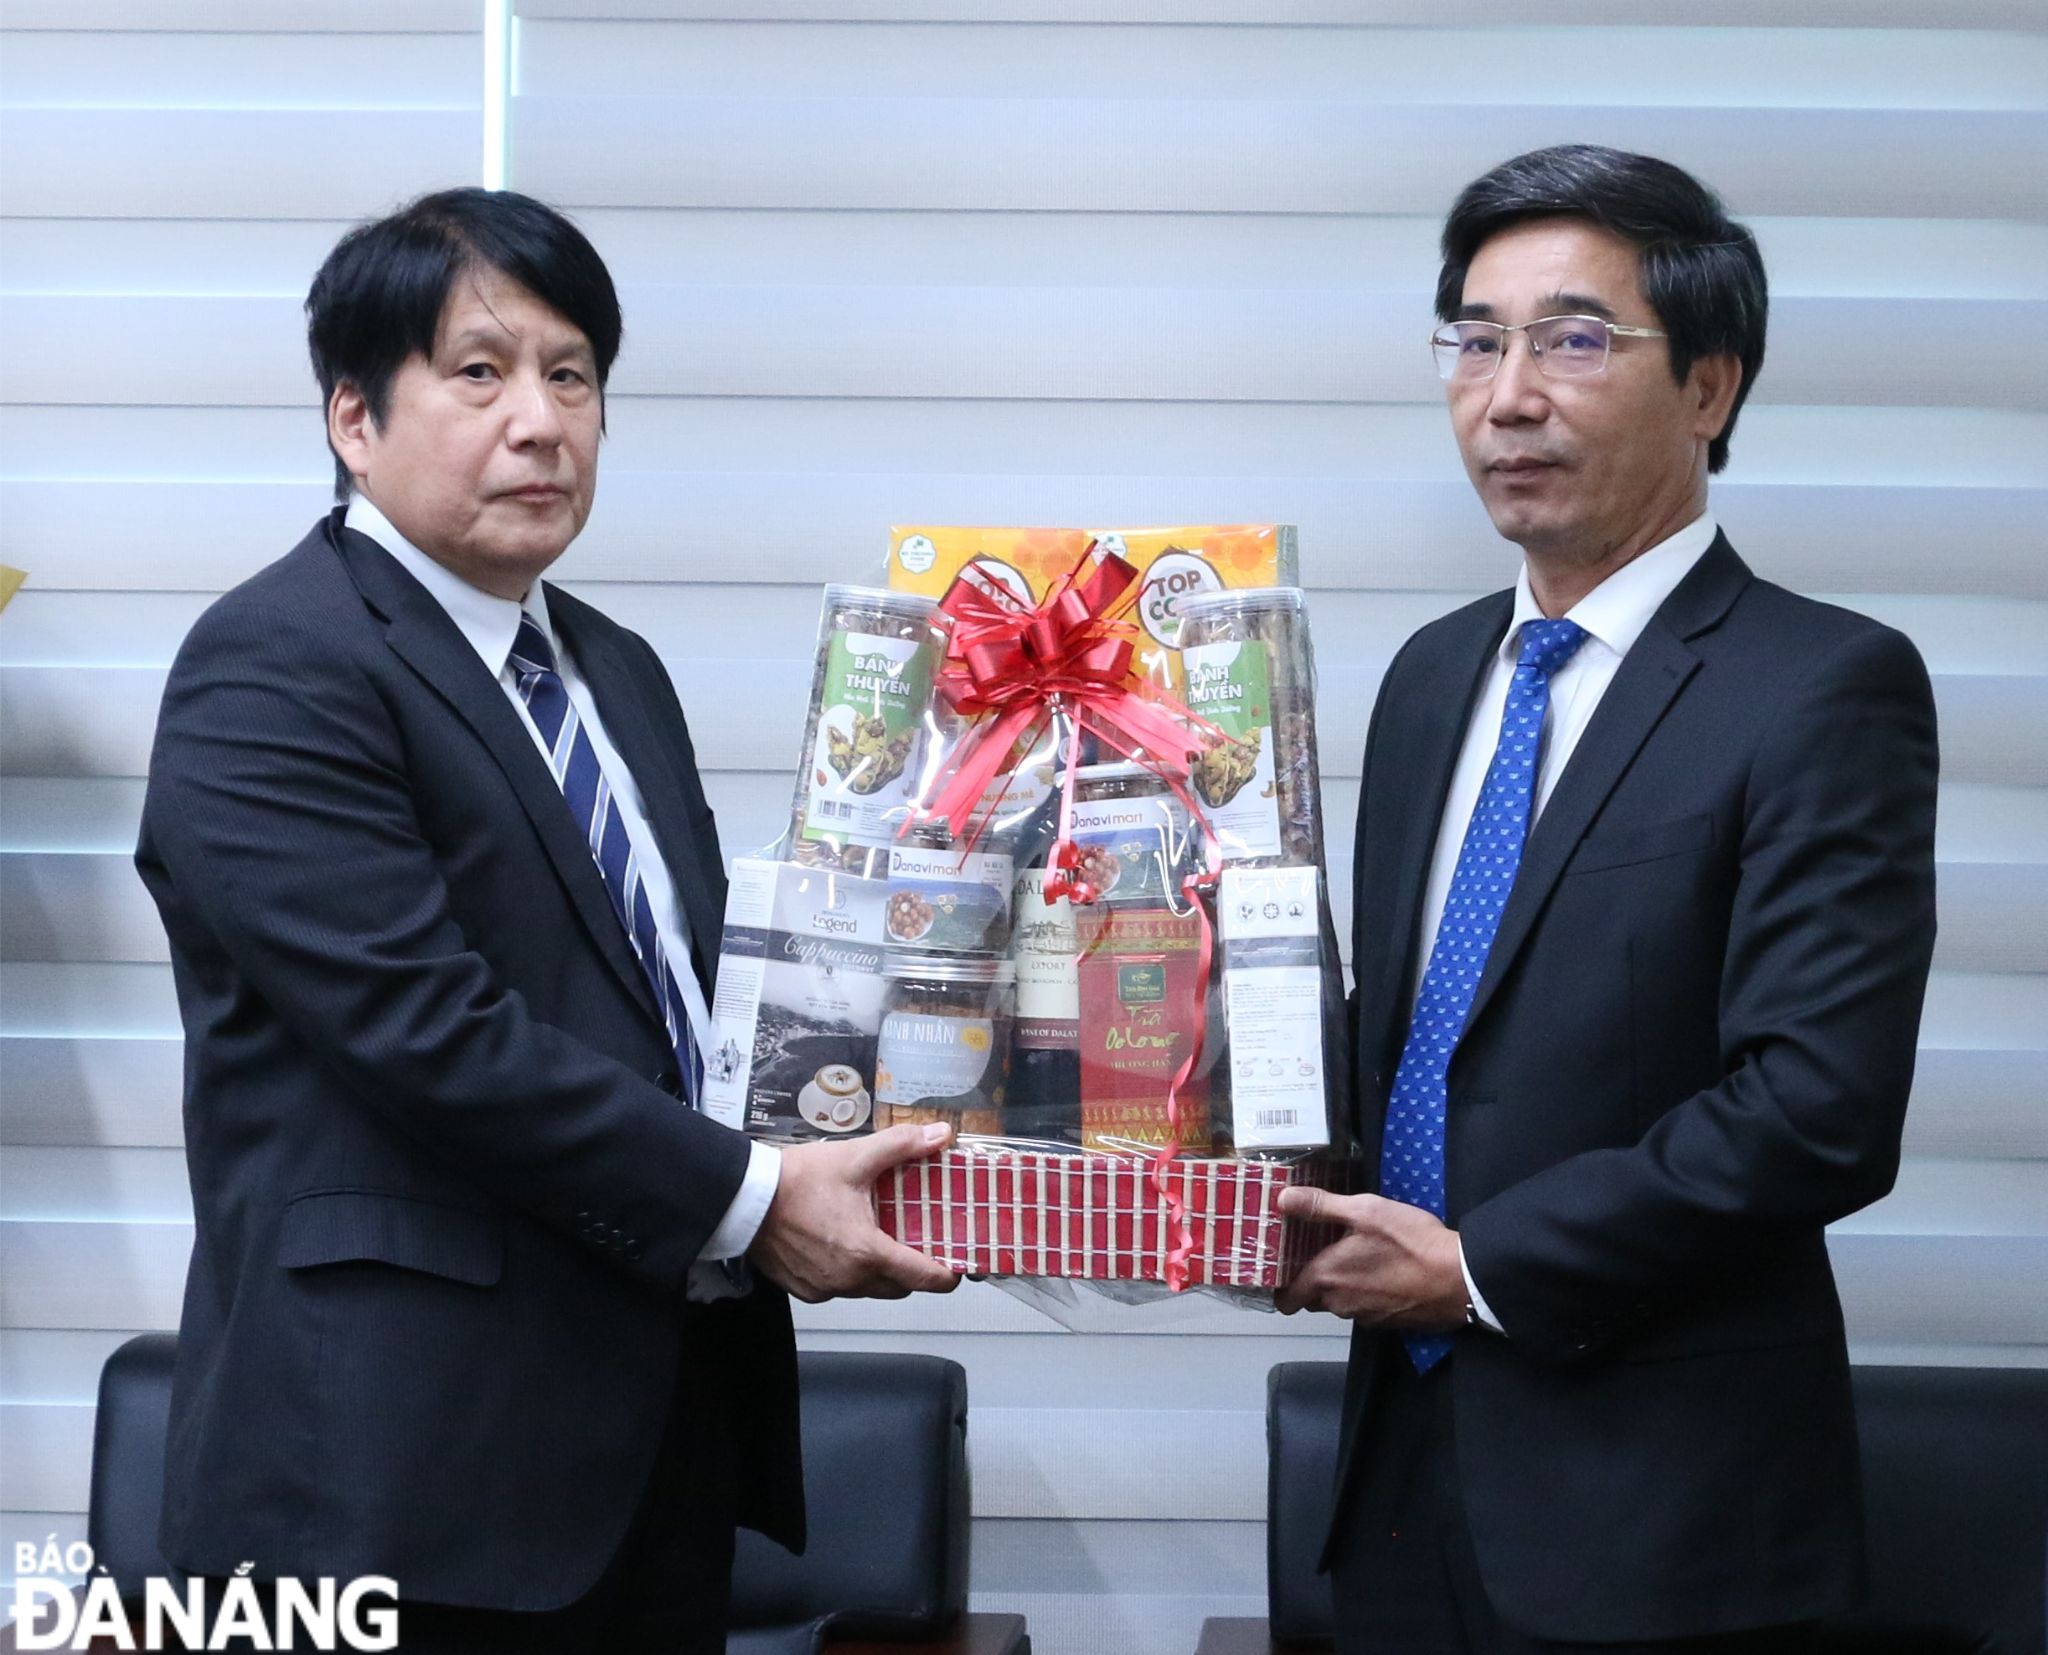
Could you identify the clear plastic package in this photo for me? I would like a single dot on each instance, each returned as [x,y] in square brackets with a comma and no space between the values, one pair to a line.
[1070,904]
[871,696]
[1250,671]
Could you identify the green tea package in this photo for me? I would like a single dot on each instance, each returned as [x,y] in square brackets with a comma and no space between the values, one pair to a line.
[871,695]
[1251,674]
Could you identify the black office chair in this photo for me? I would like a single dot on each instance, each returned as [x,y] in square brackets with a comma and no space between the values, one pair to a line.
[885,1474]
[1955,1482]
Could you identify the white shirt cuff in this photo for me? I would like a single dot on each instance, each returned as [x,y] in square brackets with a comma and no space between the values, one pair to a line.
[742,1221]
[721,1271]
[1479,1305]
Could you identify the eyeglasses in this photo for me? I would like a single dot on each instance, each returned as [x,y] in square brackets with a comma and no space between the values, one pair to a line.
[1565,347]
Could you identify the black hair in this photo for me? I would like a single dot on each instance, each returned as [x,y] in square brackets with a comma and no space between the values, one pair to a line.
[377,299]
[1701,271]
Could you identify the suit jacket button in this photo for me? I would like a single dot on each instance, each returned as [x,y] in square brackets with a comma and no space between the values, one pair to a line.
[632,1247]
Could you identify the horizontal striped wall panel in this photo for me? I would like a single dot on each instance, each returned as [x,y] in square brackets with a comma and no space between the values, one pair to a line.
[1028,1462]
[1879,258]
[1042,1367]
[91,815]
[1277,344]
[674,529]
[78,1090]
[708,620]
[253,70]
[98,721]
[167,257]
[1684,66]
[1994,1011]
[1184,155]
[1933,1198]
[1806,257]
[1905,14]
[93,908]
[239,16]
[1267,443]
[1967,1289]
[241,163]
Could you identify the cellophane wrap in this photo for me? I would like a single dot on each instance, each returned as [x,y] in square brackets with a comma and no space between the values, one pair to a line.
[1080,914]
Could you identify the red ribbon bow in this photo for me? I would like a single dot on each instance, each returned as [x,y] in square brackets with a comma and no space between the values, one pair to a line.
[1013,666]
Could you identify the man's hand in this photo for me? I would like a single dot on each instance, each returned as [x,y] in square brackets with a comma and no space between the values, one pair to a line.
[1396,1266]
[820,1240]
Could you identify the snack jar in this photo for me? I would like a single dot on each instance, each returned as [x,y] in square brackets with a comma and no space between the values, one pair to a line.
[944,1049]
[946,900]
[871,697]
[1130,830]
[1251,674]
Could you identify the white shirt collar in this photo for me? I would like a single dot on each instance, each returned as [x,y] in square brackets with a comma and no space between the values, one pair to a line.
[489,622]
[1616,611]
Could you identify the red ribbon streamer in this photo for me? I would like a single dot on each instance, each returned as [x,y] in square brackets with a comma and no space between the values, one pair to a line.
[1014,667]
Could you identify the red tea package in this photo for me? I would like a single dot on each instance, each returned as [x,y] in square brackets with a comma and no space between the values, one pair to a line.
[1142,988]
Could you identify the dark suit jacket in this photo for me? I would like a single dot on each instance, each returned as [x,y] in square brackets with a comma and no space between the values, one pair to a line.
[446,1195]
[1689,1051]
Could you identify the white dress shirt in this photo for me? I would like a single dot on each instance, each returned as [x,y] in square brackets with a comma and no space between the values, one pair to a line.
[491,624]
[1613,614]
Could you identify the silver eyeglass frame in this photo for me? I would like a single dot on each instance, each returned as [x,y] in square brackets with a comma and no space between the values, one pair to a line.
[1536,353]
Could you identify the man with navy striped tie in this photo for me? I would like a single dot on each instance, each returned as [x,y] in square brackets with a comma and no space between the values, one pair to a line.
[1644,908]
[478,1300]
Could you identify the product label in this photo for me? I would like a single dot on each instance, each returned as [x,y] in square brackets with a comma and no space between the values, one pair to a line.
[1272,1007]
[799,1001]
[1276,1057]
[1230,685]
[948,901]
[1174,575]
[863,775]
[1044,946]
[1129,847]
[925,1057]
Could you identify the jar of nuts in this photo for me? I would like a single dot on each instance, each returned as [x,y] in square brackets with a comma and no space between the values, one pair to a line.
[945,1042]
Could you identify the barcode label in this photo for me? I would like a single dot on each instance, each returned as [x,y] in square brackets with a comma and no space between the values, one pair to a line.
[1267,1119]
[835,808]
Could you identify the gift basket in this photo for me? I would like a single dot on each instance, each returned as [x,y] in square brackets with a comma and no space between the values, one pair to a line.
[1054,876]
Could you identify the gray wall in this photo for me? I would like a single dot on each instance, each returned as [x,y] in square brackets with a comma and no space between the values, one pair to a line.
[1157,261]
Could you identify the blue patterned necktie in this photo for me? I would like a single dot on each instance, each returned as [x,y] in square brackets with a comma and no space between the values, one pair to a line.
[1412,1150]
[589,793]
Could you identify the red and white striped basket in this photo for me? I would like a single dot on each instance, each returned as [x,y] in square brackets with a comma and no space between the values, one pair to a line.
[1086,1215]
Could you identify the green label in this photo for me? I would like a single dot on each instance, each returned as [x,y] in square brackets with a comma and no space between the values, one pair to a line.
[1141,985]
[1229,686]
[863,771]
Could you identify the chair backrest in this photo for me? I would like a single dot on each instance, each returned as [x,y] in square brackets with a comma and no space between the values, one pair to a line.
[1955,1497]
[1304,1405]
[1955,1482]
[885,1478]
[128,1436]
[885,1486]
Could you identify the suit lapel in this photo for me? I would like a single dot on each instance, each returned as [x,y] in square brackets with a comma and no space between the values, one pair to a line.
[421,634]
[1448,687]
[1649,679]
[620,697]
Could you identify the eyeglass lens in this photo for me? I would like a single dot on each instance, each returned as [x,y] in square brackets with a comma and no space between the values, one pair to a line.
[1565,347]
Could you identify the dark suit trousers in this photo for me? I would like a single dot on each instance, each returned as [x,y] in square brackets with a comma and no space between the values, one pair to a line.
[666,1590]
[1404,1578]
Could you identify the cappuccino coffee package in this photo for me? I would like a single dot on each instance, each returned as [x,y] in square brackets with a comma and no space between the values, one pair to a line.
[799,1006]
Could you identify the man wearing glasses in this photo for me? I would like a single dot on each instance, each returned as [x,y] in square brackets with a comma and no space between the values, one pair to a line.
[1644,910]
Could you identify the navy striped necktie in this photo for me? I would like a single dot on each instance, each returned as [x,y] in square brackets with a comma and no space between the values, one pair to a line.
[585,786]
[1412,1148]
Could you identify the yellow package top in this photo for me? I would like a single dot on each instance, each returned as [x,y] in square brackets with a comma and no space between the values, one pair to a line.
[1172,563]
